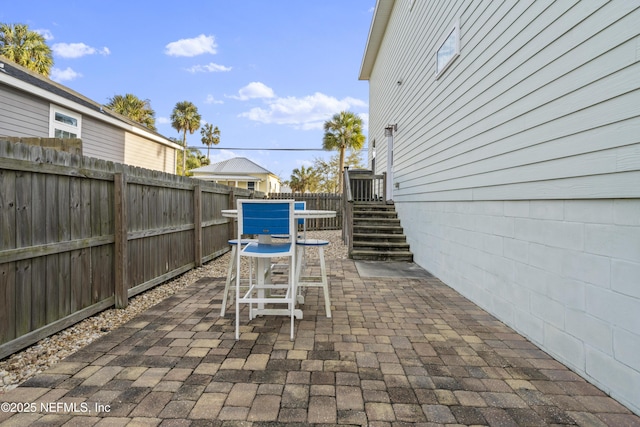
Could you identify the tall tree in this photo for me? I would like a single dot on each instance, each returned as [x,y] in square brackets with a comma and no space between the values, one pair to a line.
[138,110]
[304,179]
[210,135]
[185,118]
[330,173]
[343,131]
[26,48]
[195,159]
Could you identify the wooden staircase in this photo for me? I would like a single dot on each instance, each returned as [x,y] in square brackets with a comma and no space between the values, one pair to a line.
[377,233]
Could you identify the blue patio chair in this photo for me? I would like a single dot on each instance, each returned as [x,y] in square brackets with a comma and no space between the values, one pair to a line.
[265,218]
[299,206]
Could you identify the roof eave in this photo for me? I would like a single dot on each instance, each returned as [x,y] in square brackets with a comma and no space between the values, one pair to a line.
[378,27]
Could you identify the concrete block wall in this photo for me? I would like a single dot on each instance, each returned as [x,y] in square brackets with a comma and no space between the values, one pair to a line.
[564,273]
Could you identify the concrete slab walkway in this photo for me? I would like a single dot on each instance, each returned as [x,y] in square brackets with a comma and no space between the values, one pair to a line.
[397,351]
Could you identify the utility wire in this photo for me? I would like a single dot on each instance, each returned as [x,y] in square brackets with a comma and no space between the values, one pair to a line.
[264,149]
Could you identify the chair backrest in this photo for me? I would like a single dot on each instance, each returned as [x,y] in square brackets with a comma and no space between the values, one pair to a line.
[300,206]
[265,217]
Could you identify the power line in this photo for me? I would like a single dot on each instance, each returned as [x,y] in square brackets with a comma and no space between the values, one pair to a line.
[263,149]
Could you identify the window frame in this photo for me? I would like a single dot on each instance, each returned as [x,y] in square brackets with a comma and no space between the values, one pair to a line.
[454,31]
[63,127]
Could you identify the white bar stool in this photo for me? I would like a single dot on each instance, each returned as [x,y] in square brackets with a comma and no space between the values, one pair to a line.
[232,271]
[313,281]
[266,218]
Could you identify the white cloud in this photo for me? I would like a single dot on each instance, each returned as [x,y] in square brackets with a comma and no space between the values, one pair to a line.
[211,100]
[254,90]
[192,47]
[76,50]
[305,113]
[209,68]
[365,121]
[58,75]
[44,33]
[163,120]
[355,102]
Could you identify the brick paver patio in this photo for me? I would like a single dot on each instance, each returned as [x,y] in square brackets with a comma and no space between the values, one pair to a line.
[396,352]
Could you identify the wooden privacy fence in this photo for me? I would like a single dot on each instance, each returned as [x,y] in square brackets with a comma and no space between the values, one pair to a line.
[79,235]
[320,201]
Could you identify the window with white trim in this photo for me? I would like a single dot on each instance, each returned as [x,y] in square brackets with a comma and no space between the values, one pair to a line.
[448,51]
[64,123]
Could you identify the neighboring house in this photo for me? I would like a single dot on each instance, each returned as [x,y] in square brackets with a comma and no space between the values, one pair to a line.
[239,172]
[514,129]
[34,106]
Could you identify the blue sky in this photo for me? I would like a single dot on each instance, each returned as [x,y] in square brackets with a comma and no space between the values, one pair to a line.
[267,73]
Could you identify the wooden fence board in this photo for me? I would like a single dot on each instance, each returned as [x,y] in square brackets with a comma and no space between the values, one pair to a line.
[23,275]
[8,241]
[8,302]
[23,297]
[64,234]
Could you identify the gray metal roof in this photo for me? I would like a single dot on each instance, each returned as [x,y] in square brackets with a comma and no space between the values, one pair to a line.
[215,177]
[235,166]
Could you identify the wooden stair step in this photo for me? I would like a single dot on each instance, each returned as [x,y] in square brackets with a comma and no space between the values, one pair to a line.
[373,255]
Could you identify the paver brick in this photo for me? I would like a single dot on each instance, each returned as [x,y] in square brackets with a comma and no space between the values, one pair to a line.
[378,411]
[242,395]
[208,406]
[152,404]
[322,410]
[265,407]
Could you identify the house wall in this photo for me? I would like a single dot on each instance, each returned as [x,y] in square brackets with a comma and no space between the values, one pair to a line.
[148,154]
[271,185]
[28,116]
[22,115]
[268,184]
[102,141]
[25,115]
[517,171]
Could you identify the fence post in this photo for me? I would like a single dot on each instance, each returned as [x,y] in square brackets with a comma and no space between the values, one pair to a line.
[120,238]
[197,223]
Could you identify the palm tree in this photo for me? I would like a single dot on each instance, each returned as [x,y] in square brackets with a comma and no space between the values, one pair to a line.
[210,135]
[195,159]
[185,118]
[304,179]
[138,110]
[26,48]
[343,131]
